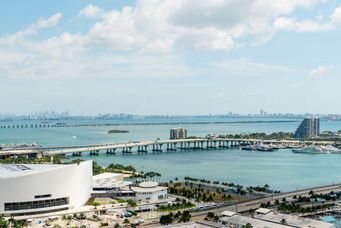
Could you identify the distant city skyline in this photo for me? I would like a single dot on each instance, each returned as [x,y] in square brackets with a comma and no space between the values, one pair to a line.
[170,57]
[262,113]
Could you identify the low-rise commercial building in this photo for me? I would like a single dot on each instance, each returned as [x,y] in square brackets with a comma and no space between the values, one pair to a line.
[111,185]
[291,220]
[238,221]
[264,217]
[149,192]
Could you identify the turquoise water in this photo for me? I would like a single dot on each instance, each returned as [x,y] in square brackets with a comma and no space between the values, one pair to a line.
[328,218]
[282,169]
[331,219]
[95,135]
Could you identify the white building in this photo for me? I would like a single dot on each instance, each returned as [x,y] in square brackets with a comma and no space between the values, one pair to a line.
[235,220]
[150,192]
[268,218]
[292,220]
[40,188]
[111,185]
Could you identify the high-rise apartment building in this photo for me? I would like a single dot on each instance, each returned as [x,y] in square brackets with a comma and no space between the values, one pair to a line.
[310,127]
[178,133]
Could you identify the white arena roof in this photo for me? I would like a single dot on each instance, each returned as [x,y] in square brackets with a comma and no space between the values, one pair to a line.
[107,175]
[17,170]
[109,180]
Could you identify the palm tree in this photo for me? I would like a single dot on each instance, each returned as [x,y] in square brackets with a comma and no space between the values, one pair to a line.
[284,222]
[252,212]
[126,221]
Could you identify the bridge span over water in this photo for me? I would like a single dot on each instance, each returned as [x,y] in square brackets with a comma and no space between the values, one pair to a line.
[149,146]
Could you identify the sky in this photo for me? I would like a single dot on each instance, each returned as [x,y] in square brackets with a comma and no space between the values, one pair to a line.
[170,57]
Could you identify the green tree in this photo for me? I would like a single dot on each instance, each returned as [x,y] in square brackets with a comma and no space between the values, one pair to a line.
[3,222]
[185,217]
[126,221]
[166,219]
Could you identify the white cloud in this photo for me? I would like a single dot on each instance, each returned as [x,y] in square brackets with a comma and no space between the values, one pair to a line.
[336,16]
[320,71]
[48,23]
[156,28]
[90,11]
[31,30]
[301,26]
[198,24]
[247,66]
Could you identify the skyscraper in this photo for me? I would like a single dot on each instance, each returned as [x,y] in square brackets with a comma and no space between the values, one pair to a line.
[310,127]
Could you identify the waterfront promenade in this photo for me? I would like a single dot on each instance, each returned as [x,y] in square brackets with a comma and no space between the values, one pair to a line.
[152,146]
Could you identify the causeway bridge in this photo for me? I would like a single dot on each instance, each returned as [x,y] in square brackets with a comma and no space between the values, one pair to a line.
[156,146]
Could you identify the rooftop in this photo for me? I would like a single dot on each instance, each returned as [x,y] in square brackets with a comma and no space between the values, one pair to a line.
[243,220]
[148,184]
[228,213]
[107,175]
[293,220]
[263,210]
[109,180]
[17,170]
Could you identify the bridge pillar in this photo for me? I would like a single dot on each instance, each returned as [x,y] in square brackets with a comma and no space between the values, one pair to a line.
[111,151]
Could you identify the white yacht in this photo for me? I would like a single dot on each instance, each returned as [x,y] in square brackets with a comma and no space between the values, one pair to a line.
[317,150]
[264,148]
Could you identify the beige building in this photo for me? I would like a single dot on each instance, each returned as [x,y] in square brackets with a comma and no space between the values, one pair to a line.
[178,133]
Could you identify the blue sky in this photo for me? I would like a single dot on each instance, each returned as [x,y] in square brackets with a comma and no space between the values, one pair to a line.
[170,57]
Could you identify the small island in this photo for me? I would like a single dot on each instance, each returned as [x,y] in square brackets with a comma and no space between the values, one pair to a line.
[115,131]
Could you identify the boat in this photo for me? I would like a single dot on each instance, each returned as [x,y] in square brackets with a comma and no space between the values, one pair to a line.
[264,148]
[258,147]
[331,149]
[317,150]
[115,131]
[248,147]
[277,147]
